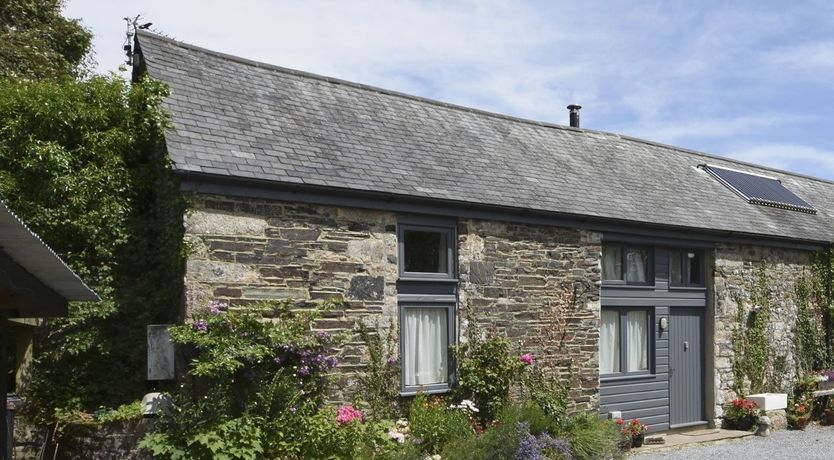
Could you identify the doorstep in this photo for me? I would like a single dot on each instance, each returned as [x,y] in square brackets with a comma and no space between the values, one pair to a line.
[689,439]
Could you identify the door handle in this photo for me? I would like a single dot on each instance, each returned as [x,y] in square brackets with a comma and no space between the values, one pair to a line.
[685,346]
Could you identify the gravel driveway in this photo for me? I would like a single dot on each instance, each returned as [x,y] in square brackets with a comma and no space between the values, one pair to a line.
[816,442]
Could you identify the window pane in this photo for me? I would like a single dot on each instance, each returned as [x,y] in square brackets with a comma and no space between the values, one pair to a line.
[637,337]
[425,346]
[609,342]
[612,263]
[637,265]
[424,251]
[696,270]
[675,269]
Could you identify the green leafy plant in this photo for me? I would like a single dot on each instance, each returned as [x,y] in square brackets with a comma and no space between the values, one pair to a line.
[751,362]
[247,372]
[434,423]
[379,380]
[548,393]
[592,438]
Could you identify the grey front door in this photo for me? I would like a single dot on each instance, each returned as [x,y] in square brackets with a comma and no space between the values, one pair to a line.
[686,366]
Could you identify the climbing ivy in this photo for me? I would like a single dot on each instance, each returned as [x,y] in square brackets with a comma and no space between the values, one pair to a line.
[751,347]
[83,163]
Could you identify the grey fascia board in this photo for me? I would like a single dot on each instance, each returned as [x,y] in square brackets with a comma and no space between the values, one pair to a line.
[262,189]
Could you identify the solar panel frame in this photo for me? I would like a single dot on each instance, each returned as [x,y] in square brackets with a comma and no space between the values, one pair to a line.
[759,189]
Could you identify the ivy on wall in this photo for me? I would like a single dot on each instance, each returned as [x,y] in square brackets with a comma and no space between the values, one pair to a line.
[751,348]
[83,163]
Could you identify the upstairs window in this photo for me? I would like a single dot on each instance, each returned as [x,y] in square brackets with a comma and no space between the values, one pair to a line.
[426,251]
[626,264]
[759,189]
[686,268]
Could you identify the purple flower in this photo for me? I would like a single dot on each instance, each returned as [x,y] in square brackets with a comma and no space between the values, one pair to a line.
[526,358]
[392,360]
[200,325]
[323,335]
[216,307]
[304,371]
[279,359]
[535,447]
[332,362]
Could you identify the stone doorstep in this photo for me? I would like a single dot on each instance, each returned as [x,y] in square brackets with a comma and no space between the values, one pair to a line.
[691,439]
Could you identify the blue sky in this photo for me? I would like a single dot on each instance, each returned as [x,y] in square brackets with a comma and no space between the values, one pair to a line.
[750,80]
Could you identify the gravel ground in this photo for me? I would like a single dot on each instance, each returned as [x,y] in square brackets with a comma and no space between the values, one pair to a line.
[816,442]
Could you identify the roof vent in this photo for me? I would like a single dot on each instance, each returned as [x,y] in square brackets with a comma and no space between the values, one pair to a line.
[574,115]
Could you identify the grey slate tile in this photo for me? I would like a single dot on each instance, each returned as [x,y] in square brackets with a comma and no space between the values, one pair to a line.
[236,119]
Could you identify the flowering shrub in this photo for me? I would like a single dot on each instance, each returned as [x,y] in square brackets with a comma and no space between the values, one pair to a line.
[741,414]
[244,372]
[433,423]
[348,414]
[539,447]
[486,370]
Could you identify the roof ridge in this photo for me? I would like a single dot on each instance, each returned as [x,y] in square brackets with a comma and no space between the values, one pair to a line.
[463,108]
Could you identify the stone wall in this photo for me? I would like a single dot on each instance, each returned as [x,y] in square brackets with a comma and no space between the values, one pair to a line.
[539,286]
[735,273]
[246,250]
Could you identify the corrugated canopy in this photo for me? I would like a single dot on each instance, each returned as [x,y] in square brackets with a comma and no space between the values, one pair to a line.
[26,249]
[235,119]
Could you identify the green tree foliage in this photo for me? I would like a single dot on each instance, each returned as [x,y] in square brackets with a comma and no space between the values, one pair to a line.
[82,162]
[37,42]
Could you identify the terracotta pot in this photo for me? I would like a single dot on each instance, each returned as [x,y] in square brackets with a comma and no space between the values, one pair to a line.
[800,423]
[637,441]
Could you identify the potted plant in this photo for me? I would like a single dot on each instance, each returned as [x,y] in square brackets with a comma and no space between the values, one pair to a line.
[633,431]
[799,413]
[741,414]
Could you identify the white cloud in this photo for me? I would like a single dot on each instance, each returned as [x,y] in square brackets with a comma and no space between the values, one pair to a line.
[716,75]
[790,157]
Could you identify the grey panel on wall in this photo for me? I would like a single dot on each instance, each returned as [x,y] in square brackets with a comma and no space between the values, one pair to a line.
[160,352]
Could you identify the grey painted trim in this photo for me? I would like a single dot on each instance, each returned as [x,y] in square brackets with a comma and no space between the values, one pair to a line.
[643,240]
[687,425]
[427,298]
[430,225]
[221,185]
[650,345]
[450,307]
[24,295]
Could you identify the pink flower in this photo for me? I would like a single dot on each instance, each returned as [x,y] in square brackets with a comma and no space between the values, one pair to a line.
[347,414]
[526,358]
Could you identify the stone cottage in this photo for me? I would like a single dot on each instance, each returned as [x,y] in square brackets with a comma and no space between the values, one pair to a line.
[613,259]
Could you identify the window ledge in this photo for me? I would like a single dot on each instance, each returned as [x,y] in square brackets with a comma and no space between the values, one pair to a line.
[688,288]
[647,287]
[429,279]
[430,391]
[621,378]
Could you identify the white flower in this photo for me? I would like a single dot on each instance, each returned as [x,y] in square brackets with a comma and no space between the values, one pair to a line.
[402,423]
[399,437]
[822,378]
[465,405]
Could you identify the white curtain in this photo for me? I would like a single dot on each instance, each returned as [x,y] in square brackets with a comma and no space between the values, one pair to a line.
[425,346]
[612,265]
[638,338]
[636,260]
[609,342]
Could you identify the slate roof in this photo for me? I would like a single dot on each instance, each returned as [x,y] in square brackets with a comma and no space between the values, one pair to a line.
[235,118]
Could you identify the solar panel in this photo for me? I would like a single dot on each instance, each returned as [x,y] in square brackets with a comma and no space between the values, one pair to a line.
[761,190]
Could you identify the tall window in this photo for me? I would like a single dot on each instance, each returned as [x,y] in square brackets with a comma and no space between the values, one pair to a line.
[427,303]
[686,268]
[626,264]
[624,341]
